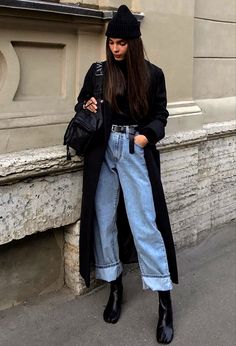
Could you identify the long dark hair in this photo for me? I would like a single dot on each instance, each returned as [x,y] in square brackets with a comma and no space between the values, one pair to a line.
[138,79]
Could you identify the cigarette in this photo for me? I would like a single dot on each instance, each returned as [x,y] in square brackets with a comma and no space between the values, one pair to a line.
[88,104]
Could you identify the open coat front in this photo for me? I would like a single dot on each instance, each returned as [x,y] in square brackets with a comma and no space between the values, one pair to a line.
[154,123]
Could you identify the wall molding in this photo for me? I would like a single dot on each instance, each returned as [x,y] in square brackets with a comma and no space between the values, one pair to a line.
[65,9]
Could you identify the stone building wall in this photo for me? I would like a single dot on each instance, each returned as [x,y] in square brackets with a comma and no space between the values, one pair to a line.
[44,54]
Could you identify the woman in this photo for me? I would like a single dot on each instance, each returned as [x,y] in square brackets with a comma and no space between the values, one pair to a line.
[123,210]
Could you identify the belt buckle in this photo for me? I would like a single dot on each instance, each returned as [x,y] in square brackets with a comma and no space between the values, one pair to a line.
[124,128]
[118,128]
[113,128]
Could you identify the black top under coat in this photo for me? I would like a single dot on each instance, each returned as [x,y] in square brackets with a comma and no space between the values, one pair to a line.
[124,116]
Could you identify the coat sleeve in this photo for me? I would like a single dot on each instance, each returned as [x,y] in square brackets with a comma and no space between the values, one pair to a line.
[87,89]
[155,129]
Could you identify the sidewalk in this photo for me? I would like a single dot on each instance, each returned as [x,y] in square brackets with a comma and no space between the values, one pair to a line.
[204,307]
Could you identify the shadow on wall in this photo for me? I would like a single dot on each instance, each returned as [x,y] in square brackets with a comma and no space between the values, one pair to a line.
[31,266]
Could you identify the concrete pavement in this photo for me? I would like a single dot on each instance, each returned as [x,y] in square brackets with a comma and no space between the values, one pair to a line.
[204,307]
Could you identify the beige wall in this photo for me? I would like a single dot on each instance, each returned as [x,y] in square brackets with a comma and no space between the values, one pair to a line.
[42,64]
[215,49]
[214,61]
[167,34]
[44,58]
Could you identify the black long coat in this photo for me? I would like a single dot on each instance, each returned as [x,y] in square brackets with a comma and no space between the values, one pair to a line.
[154,123]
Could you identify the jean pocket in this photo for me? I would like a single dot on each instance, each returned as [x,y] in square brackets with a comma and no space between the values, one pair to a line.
[138,146]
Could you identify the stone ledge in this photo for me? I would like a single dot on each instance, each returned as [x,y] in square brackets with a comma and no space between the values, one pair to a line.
[59,8]
[36,162]
[220,129]
[208,132]
[52,160]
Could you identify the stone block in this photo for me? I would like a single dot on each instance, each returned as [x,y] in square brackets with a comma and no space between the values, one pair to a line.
[208,74]
[31,266]
[71,252]
[216,10]
[36,205]
[215,32]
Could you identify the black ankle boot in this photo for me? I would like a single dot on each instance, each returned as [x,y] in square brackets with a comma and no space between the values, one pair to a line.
[113,308]
[165,331]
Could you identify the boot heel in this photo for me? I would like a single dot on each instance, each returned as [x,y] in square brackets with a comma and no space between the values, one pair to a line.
[112,310]
[165,330]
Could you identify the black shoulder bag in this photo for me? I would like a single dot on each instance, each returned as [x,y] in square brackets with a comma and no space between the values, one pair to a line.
[85,123]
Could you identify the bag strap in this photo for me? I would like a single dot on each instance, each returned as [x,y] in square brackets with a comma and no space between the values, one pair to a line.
[98,91]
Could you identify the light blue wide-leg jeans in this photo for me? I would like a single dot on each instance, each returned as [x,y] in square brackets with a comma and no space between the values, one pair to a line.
[128,170]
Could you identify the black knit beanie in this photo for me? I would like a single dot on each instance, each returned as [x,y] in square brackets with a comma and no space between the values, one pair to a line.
[123,24]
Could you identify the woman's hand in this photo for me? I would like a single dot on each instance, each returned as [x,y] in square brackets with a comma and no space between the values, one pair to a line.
[91,105]
[141,140]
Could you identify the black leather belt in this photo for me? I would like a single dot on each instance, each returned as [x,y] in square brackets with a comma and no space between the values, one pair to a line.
[130,129]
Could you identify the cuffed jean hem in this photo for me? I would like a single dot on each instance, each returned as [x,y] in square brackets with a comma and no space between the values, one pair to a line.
[109,273]
[157,284]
